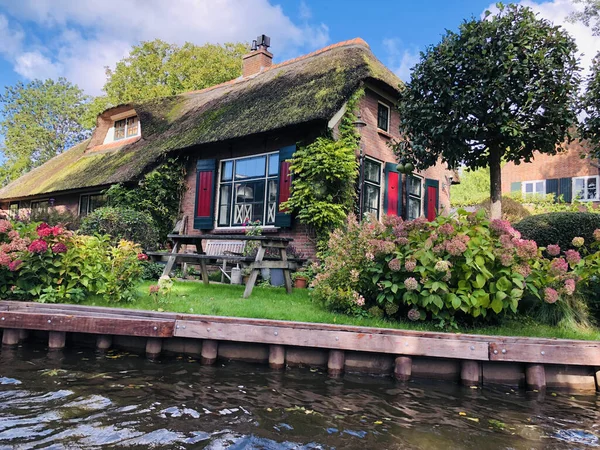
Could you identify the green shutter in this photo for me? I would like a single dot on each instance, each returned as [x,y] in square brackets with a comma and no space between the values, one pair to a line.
[392,197]
[204,209]
[566,189]
[552,187]
[515,186]
[284,185]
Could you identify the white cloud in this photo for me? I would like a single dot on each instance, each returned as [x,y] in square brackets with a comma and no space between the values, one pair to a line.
[92,35]
[10,38]
[35,65]
[400,59]
[557,11]
[304,11]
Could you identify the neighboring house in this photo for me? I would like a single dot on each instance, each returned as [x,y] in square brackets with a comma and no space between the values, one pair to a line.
[565,175]
[238,138]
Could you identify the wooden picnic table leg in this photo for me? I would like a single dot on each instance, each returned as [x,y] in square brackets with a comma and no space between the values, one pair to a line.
[254,275]
[171,260]
[205,279]
[287,279]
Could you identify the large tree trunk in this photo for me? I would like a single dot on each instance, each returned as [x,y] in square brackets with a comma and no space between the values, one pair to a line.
[495,185]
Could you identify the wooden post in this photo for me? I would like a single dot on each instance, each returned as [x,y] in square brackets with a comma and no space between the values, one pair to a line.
[335,364]
[209,352]
[204,271]
[172,259]
[103,342]
[287,279]
[260,254]
[10,337]
[153,348]
[276,356]
[597,370]
[403,368]
[535,376]
[23,335]
[56,340]
[470,373]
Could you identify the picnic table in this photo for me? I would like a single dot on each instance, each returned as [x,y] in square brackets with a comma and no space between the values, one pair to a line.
[256,263]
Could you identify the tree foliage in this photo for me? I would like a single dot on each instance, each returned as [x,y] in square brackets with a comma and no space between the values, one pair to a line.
[158,69]
[474,187]
[40,119]
[589,127]
[499,89]
[589,15]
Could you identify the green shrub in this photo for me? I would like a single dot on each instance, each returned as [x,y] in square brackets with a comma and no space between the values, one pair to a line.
[512,210]
[559,228]
[122,223]
[151,270]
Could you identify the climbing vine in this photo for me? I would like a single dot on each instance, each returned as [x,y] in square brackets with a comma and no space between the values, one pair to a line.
[324,177]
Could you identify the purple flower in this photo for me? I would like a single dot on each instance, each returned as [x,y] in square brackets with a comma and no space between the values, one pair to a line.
[410,265]
[38,246]
[456,246]
[59,248]
[395,265]
[411,284]
[558,266]
[553,250]
[506,259]
[526,249]
[523,269]
[414,314]
[573,257]
[550,295]
[446,229]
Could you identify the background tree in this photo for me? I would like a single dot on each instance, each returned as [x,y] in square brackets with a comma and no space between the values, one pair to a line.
[589,15]
[158,69]
[589,126]
[499,89]
[40,119]
[473,188]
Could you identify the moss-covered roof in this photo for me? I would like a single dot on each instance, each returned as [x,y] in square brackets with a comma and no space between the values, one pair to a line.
[310,88]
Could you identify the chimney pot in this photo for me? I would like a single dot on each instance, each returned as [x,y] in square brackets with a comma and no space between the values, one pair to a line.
[259,57]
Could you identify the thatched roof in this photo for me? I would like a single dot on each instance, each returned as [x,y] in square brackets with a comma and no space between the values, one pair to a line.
[311,88]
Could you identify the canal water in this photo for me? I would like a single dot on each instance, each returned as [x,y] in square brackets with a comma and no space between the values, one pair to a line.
[81,399]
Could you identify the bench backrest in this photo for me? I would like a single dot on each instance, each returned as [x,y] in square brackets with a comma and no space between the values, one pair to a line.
[218,247]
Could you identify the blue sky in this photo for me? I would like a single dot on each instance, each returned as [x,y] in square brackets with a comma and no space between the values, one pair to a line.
[77,39]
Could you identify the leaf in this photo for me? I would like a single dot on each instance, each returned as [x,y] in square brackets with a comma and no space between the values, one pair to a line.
[497,305]
[479,281]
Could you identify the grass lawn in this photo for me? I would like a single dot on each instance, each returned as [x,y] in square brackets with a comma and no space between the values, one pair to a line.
[274,303]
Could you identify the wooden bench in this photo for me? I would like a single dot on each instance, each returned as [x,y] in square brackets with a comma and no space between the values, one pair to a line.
[230,248]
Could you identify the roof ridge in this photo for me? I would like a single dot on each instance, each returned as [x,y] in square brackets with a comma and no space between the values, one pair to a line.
[355,41]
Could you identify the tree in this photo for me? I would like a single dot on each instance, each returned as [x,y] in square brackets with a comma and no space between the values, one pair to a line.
[499,89]
[473,188]
[589,127]
[158,69]
[590,15]
[40,119]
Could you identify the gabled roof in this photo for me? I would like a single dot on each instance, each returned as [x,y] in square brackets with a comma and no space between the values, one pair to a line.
[306,89]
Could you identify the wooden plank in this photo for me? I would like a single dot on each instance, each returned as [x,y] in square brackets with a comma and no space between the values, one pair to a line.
[341,340]
[84,309]
[580,353]
[87,324]
[190,238]
[273,265]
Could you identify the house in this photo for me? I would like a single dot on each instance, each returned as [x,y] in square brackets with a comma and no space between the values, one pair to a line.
[238,138]
[569,174]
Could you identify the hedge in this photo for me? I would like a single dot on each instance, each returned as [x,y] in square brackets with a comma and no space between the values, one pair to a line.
[559,228]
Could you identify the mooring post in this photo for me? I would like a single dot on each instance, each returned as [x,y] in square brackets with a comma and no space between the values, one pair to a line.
[153,348]
[335,364]
[597,370]
[276,357]
[23,335]
[535,377]
[10,337]
[103,342]
[209,352]
[56,340]
[403,368]
[470,373]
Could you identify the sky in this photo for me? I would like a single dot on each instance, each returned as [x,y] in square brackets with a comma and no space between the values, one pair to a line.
[77,39]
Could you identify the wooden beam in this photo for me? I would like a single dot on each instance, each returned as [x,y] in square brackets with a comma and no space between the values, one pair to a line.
[339,340]
[555,352]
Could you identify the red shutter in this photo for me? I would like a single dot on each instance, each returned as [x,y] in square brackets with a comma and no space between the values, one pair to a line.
[393,193]
[431,203]
[205,194]
[285,182]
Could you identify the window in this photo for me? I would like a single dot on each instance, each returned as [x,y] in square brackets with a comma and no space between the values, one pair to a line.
[532,188]
[90,202]
[371,187]
[248,190]
[585,189]
[383,117]
[126,128]
[39,206]
[414,197]
[13,210]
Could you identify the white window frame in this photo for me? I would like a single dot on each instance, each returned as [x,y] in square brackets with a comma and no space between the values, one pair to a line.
[533,182]
[378,186]
[14,214]
[88,195]
[585,179]
[421,197]
[266,178]
[388,117]
[114,127]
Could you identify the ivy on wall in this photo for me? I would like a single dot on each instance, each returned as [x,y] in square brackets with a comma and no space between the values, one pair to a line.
[324,177]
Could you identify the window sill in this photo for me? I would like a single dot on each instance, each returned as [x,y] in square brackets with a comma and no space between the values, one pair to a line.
[384,133]
[242,230]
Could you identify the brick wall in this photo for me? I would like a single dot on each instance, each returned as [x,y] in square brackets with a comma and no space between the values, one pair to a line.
[567,164]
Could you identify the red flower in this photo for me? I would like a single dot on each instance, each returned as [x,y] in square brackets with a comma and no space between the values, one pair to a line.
[59,248]
[15,265]
[142,257]
[43,230]
[38,246]
[56,231]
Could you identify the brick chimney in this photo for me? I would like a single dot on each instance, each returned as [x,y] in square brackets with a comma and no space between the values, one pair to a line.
[259,57]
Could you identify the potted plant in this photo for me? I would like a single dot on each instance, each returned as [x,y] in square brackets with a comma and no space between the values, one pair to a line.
[246,271]
[300,279]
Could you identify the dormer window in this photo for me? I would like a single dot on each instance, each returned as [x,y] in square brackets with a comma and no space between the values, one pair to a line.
[126,128]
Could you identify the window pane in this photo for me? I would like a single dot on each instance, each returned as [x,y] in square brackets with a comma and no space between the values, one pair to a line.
[414,208]
[249,202]
[539,187]
[372,171]
[227,171]
[579,186]
[250,167]
[224,204]
[274,164]
[382,117]
[591,188]
[83,205]
[529,188]
[371,200]
[414,186]
[271,202]
[132,126]
[96,201]
[119,129]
